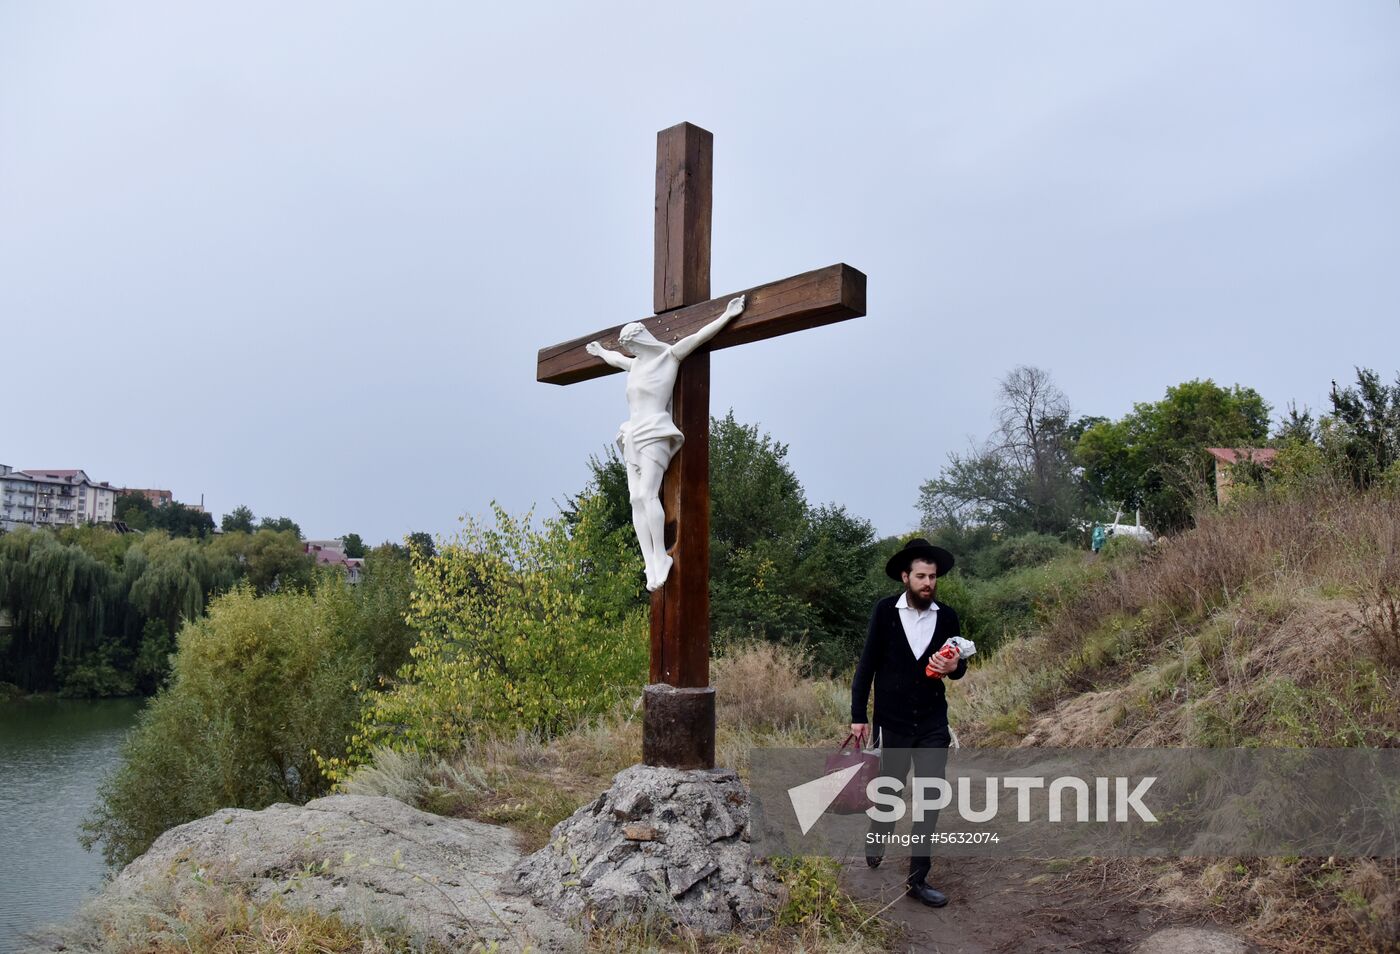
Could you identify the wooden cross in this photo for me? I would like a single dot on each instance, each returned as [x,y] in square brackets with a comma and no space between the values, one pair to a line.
[679,714]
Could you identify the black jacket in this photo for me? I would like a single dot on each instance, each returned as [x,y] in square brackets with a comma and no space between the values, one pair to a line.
[907,702]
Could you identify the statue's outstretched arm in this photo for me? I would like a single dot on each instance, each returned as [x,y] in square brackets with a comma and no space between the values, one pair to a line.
[681,349]
[615,358]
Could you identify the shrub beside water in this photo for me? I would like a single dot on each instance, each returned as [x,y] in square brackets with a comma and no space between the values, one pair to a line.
[258,685]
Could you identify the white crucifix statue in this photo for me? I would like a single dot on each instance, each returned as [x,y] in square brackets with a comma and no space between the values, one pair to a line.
[649,437]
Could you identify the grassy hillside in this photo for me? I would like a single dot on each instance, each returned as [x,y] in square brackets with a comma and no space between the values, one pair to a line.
[1274,623]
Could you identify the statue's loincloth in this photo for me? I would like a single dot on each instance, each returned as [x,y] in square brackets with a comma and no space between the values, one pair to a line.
[635,436]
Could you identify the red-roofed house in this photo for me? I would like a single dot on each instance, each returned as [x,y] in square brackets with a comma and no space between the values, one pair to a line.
[1227,457]
[330,554]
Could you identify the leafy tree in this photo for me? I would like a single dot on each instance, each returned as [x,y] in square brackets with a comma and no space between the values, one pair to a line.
[1022,478]
[421,543]
[260,687]
[134,510]
[176,519]
[269,560]
[608,532]
[354,546]
[380,603]
[171,580]
[1155,457]
[280,525]
[834,559]
[608,483]
[239,521]
[518,630]
[179,520]
[754,495]
[1363,431]
[100,541]
[152,663]
[60,600]
[102,672]
[758,517]
[1298,427]
[276,560]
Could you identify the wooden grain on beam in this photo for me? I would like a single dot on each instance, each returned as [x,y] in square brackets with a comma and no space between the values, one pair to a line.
[684,160]
[680,610]
[820,297]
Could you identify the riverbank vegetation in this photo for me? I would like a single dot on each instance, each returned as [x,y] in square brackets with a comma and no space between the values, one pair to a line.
[90,612]
[94,612]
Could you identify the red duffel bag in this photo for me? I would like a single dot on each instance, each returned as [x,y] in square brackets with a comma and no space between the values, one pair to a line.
[852,799]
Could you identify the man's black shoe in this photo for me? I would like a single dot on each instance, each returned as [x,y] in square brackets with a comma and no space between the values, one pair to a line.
[874,860]
[928,894]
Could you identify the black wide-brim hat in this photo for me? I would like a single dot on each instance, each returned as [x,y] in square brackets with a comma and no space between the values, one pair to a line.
[917,548]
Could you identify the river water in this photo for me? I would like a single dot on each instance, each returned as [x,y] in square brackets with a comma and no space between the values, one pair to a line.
[53,754]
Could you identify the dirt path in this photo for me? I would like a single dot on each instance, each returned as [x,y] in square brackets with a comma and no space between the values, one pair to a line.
[1003,907]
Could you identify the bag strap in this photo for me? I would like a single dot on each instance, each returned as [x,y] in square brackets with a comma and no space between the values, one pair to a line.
[849,738]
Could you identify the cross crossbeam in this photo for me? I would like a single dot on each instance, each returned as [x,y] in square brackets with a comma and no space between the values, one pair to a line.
[809,300]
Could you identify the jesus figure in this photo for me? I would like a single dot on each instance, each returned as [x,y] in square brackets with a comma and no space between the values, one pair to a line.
[649,438]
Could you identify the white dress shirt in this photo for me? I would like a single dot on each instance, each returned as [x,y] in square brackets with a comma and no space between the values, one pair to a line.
[918,624]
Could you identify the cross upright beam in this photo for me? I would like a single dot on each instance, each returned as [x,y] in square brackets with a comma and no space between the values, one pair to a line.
[679,706]
[679,715]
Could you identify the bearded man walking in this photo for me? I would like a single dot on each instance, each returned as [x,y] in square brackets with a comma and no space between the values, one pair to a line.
[911,712]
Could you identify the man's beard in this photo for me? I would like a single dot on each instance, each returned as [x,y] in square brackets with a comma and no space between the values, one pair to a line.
[917,601]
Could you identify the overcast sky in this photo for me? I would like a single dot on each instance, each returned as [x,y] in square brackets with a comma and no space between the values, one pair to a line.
[302,256]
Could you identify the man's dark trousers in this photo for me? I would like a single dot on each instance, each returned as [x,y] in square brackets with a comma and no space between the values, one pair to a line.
[928,755]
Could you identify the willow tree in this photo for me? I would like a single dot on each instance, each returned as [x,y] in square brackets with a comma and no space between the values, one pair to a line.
[59,598]
[172,580]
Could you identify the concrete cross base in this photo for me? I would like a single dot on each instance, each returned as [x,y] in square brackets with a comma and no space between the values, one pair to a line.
[662,845]
[678,727]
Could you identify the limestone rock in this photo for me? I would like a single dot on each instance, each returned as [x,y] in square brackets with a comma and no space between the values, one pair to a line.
[367,859]
[695,870]
[1191,941]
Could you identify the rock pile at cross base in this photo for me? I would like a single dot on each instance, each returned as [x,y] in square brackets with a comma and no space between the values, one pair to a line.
[366,859]
[661,844]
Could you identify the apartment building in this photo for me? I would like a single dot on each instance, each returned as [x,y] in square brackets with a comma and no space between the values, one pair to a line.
[53,498]
[158,498]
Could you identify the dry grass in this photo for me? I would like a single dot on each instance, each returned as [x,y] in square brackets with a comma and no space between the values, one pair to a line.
[1291,905]
[1378,616]
[762,686]
[764,697]
[220,919]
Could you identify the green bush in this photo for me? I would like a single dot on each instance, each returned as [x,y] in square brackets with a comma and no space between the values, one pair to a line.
[101,673]
[518,630]
[954,590]
[1004,607]
[259,686]
[1020,551]
[1123,549]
